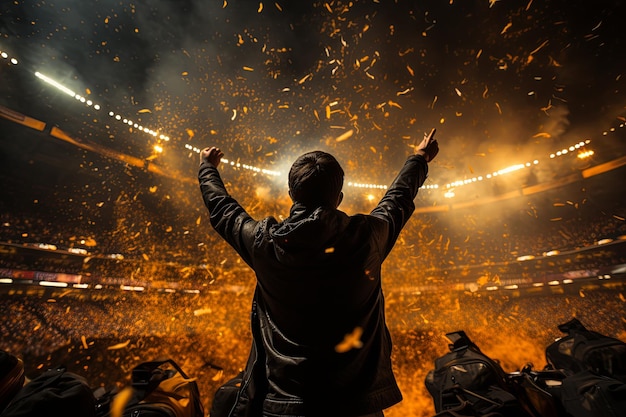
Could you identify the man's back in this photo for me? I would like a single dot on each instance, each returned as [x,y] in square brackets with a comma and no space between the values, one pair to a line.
[320,341]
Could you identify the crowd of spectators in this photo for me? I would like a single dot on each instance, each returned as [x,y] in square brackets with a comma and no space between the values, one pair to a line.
[164,234]
[102,335]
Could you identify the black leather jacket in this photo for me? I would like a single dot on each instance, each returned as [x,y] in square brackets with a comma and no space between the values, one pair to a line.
[321,345]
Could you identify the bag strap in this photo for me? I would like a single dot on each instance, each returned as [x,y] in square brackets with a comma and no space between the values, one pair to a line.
[574,325]
[460,341]
[148,375]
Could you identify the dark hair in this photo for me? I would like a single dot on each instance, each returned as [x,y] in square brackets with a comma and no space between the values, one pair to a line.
[316,178]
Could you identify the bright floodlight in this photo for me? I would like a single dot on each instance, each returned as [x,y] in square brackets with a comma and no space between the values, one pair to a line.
[55,84]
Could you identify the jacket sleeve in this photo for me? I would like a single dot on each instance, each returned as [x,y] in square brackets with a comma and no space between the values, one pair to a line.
[227,216]
[397,206]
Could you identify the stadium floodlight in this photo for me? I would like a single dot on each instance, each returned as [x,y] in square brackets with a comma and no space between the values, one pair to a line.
[55,84]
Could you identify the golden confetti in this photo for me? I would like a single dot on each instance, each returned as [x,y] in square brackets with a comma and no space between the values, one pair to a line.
[305,78]
[119,345]
[202,311]
[119,402]
[344,136]
[351,341]
[219,375]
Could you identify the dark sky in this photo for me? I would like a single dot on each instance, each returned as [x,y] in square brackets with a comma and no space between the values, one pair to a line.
[503,81]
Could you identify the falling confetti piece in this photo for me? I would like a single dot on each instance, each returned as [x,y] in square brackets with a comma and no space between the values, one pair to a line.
[202,311]
[350,341]
[120,400]
[119,345]
[305,78]
[219,375]
[344,136]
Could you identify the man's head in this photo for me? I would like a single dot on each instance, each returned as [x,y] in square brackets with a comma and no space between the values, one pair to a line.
[316,179]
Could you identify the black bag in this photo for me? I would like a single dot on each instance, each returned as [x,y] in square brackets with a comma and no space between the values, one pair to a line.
[11,377]
[467,382]
[586,394]
[53,393]
[159,389]
[541,390]
[582,349]
[465,409]
[594,368]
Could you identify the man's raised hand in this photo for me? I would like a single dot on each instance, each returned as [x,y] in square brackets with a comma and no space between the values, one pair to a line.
[428,148]
[211,155]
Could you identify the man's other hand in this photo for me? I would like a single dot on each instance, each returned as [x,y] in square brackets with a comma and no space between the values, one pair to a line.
[428,148]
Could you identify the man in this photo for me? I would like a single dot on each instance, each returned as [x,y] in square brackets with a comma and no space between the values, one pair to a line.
[321,346]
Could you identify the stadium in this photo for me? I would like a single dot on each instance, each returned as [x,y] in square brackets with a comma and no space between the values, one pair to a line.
[107,257]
